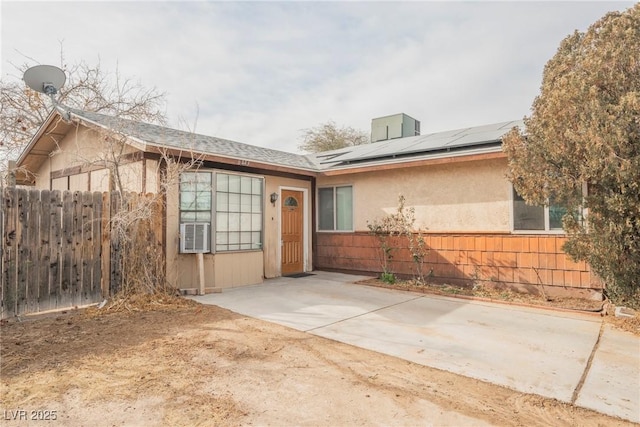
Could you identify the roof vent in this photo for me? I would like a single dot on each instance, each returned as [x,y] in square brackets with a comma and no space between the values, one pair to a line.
[395,126]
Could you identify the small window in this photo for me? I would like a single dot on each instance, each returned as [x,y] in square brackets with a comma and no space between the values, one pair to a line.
[291,202]
[526,217]
[536,218]
[195,208]
[335,208]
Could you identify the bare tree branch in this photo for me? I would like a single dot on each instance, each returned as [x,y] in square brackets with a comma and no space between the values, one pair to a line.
[328,136]
[88,87]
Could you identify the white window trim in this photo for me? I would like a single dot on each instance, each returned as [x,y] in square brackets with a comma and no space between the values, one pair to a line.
[546,219]
[353,210]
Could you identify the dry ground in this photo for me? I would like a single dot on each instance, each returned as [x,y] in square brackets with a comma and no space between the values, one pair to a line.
[186,364]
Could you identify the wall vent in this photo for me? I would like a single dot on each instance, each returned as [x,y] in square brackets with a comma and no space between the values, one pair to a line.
[194,237]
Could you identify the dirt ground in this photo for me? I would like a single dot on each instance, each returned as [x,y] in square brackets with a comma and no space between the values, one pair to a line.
[185,364]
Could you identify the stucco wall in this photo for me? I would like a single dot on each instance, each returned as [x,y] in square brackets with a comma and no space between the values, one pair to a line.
[224,270]
[78,147]
[468,196]
[100,180]
[86,148]
[43,176]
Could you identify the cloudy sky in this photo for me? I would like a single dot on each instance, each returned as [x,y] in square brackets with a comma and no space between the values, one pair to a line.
[259,72]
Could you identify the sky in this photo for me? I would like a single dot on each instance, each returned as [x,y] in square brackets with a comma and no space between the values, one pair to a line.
[262,72]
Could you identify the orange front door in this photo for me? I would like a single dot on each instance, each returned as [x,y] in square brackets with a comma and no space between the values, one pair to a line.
[292,232]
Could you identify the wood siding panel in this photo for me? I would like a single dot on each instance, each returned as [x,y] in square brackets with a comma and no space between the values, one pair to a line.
[493,258]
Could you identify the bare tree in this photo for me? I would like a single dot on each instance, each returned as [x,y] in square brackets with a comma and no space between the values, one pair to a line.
[328,136]
[134,223]
[88,87]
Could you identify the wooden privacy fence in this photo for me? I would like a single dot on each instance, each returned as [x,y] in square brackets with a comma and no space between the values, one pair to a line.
[60,250]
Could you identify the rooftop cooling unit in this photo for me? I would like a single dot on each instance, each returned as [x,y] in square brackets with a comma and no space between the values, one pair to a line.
[194,237]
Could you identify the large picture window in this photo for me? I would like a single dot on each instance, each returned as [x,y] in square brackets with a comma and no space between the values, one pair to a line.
[238,212]
[335,208]
[231,204]
[536,218]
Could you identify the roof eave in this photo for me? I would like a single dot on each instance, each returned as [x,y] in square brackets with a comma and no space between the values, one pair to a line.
[230,160]
[34,139]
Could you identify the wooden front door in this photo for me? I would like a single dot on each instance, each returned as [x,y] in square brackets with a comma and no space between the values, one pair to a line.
[291,204]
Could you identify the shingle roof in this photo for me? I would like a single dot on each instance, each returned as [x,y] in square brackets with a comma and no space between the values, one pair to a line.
[166,137]
[486,138]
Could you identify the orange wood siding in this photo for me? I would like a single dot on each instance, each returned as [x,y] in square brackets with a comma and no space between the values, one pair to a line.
[499,258]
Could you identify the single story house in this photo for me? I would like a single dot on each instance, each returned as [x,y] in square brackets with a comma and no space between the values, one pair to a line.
[260,213]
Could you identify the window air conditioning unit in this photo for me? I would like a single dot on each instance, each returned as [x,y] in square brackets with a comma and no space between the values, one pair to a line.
[194,237]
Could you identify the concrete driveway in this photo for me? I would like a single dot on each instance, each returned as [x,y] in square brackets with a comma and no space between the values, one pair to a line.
[570,357]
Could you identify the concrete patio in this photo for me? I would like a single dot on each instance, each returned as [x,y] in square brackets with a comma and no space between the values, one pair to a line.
[571,357]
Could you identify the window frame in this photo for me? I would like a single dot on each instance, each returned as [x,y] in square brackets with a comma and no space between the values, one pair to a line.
[194,211]
[214,232]
[546,218]
[335,208]
[213,222]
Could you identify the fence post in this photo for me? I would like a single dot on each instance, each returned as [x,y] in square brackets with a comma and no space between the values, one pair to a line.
[105,259]
[33,252]
[96,241]
[55,249]
[9,253]
[65,298]
[22,234]
[117,201]
[44,251]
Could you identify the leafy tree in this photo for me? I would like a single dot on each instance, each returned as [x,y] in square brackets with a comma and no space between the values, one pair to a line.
[584,129]
[328,136]
[88,87]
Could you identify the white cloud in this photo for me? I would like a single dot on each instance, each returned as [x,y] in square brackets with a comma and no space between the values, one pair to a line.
[260,72]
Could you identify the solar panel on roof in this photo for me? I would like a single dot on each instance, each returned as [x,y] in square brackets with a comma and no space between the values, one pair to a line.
[430,142]
[475,138]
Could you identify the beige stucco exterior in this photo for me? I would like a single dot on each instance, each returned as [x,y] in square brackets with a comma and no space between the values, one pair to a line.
[225,270]
[87,150]
[273,218]
[463,196]
[238,268]
[76,165]
[462,200]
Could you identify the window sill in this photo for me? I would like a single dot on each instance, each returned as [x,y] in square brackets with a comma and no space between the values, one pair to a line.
[223,252]
[543,232]
[235,251]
